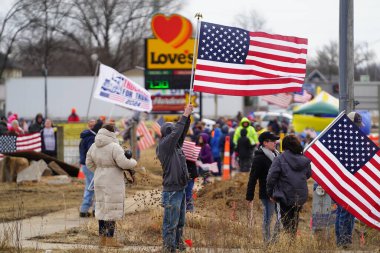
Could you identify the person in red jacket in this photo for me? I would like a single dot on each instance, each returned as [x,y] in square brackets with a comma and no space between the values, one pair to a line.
[73,116]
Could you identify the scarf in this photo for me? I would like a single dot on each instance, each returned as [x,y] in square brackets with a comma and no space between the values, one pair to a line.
[270,154]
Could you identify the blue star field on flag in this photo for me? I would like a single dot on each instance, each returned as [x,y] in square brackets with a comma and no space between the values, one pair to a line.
[349,144]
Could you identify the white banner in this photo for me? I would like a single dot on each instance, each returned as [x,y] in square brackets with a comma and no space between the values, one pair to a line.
[115,88]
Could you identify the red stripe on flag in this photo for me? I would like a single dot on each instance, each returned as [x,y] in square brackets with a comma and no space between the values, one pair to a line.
[241,92]
[278,47]
[146,138]
[280,37]
[277,57]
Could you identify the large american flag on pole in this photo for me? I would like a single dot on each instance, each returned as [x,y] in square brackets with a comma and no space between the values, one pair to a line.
[12,143]
[346,164]
[234,61]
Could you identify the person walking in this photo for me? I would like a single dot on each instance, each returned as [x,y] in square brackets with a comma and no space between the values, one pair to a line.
[260,166]
[175,179]
[87,139]
[49,139]
[287,182]
[106,158]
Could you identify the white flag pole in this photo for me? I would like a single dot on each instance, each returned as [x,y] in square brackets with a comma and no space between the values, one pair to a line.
[325,130]
[93,85]
[198,16]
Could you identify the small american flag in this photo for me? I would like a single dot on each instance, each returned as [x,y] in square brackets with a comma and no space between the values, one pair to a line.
[346,164]
[283,99]
[234,61]
[302,97]
[146,138]
[11,143]
[190,150]
[157,125]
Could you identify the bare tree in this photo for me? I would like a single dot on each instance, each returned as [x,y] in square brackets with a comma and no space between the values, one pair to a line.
[10,27]
[250,20]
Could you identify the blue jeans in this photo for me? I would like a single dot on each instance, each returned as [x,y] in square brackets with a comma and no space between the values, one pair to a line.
[174,219]
[344,224]
[269,209]
[88,196]
[189,196]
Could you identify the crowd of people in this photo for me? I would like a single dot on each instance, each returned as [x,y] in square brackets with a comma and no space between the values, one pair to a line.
[282,176]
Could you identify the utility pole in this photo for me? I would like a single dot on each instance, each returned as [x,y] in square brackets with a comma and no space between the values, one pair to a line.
[45,64]
[346,55]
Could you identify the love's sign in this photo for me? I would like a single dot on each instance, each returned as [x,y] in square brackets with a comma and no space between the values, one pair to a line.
[172,48]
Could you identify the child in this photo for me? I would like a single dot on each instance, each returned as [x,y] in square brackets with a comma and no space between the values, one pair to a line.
[205,155]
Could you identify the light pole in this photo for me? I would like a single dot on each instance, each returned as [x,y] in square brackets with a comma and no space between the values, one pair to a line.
[45,73]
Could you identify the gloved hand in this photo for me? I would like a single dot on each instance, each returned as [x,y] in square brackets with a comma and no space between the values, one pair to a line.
[128,154]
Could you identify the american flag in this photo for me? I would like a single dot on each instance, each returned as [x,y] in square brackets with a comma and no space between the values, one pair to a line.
[234,61]
[146,138]
[283,99]
[302,97]
[157,125]
[190,150]
[11,143]
[346,164]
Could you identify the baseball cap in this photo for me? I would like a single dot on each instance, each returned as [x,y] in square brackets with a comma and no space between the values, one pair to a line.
[356,118]
[267,136]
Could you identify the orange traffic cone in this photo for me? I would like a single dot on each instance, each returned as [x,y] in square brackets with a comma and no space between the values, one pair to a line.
[80,173]
[226,160]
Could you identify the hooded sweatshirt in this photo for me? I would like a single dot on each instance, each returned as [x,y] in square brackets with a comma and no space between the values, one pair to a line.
[205,153]
[87,139]
[169,152]
[287,178]
[251,132]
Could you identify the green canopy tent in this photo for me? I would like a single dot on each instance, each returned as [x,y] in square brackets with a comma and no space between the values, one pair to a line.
[322,104]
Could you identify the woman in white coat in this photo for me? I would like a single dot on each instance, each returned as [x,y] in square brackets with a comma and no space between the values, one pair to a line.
[106,157]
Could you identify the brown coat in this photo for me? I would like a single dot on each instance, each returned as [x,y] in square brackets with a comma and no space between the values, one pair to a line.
[106,158]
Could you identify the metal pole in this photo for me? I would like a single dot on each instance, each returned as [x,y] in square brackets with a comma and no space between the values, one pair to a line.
[92,89]
[45,90]
[346,55]
[198,16]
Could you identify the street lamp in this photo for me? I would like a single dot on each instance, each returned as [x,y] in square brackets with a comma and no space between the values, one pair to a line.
[45,73]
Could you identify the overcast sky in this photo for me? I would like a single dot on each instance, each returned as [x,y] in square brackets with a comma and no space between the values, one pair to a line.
[316,20]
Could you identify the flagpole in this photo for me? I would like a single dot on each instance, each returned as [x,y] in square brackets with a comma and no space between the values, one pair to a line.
[92,89]
[198,16]
[325,130]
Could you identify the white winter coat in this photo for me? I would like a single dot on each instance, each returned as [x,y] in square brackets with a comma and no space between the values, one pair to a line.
[106,158]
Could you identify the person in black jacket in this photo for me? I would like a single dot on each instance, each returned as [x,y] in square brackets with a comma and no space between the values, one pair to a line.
[287,182]
[244,150]
[175,179]
[262,161]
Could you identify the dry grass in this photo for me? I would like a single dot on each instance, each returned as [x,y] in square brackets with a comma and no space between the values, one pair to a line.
[220,220]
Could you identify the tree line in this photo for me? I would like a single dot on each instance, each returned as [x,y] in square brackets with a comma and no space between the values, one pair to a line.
[65,37]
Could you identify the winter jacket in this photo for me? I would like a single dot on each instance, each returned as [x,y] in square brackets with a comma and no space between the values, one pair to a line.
[214,143]
[260,167]
[251,132]
[106,157]
[205,154]
[3,127]
[244,147]
[36,127]
[169,152]
[87,139]
[287,178]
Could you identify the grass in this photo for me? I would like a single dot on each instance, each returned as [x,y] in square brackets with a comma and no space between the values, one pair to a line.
[220,221]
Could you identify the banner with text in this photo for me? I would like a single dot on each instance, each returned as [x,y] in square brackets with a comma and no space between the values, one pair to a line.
[115,88]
